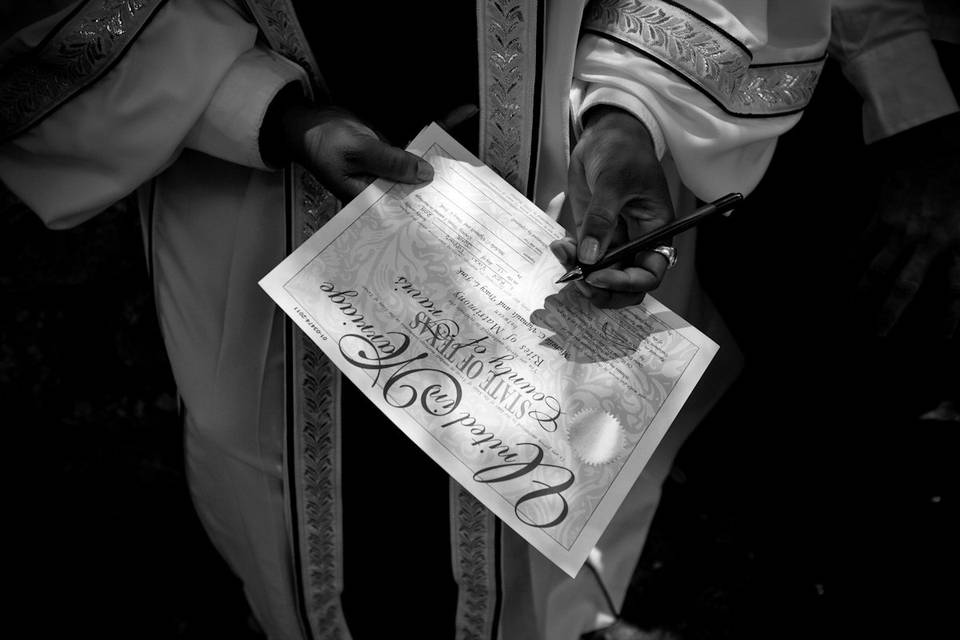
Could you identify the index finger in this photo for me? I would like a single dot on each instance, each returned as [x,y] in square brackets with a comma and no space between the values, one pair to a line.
[645,276]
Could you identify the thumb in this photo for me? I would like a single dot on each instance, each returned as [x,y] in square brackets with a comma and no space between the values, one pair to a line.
[384,161]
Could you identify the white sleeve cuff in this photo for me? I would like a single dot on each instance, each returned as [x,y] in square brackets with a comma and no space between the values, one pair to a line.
[902,85]
[587,95]
[230,127]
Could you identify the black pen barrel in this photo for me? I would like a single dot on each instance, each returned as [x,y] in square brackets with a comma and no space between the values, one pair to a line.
[656,237]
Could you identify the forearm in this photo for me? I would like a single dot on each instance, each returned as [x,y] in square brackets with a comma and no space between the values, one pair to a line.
[689,77]
[133,121]
[715,152]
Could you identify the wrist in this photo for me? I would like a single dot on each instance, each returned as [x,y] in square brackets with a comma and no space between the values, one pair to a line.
[928,144]
[603,116]
[284,125]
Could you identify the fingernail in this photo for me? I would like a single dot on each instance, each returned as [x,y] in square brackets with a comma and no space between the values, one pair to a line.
[597,281]
[582,287]
[424,171]
[589,250]
[558,253]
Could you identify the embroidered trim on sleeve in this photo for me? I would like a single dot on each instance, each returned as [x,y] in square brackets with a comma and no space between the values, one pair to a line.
[75,55]
[707,57]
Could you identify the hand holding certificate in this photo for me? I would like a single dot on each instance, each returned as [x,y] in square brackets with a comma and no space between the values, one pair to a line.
[439,302]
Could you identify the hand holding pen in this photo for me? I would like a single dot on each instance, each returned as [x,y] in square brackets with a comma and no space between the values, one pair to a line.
[650,241]
[616,189]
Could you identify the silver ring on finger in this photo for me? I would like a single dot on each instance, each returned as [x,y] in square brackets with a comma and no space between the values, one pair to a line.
[670,253]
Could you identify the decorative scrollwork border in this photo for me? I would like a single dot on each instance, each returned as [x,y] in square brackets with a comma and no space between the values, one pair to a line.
[315,384]
[707,57]
[507,46]
[316,429]
[474,566]
[77,53]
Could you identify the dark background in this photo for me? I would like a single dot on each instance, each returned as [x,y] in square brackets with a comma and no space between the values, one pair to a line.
[813,503]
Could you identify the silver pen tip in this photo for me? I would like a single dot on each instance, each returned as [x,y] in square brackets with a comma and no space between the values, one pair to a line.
[574,274]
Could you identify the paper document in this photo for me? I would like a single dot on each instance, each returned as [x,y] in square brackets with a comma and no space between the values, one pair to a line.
[438,301]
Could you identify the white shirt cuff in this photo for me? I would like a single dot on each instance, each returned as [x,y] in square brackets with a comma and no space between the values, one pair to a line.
[230,127]
[586,95]
[902,85]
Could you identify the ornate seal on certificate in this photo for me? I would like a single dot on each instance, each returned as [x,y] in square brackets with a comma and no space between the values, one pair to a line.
[596,437]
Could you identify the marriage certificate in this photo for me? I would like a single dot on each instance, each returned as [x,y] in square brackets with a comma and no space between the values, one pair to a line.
[438,301]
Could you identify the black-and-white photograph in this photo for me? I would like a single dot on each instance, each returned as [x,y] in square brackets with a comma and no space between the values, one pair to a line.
[489,320]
